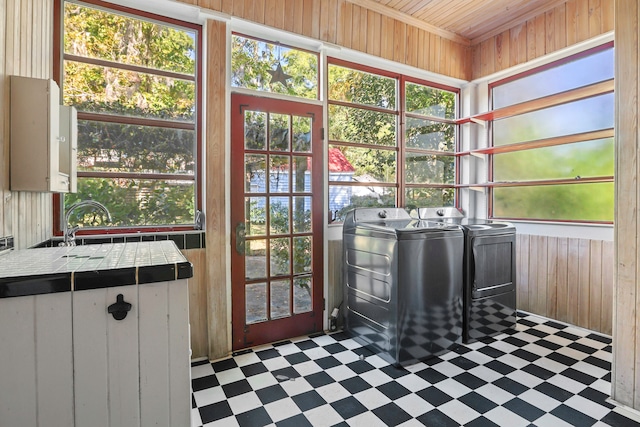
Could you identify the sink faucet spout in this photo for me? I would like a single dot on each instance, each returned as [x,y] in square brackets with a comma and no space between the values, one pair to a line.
[69,233]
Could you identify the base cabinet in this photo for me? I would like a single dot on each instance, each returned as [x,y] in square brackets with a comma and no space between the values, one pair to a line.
[36,361]
[81,367]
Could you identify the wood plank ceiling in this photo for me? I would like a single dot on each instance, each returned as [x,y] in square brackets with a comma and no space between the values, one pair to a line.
[472,20]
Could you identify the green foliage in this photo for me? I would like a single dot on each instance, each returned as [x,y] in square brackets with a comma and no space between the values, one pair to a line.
[117,147]
[576,202]
[251,61]
[114,147]
[134,202]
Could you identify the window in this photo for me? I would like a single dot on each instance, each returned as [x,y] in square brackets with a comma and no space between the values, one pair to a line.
[134,81]
[553,158]
[270,67]
[392,140]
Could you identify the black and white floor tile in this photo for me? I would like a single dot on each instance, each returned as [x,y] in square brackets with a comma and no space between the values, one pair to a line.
[543,374]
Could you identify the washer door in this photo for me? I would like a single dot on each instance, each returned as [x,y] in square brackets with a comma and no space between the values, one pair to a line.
[492,266]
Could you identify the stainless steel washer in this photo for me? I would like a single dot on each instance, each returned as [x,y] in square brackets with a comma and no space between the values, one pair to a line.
[403,283]
[489,272]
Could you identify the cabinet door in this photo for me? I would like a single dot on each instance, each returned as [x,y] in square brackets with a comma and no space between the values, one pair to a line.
[105,352]
[36,372]
[164,354]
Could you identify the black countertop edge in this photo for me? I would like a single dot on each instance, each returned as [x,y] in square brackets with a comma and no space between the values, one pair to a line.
[94,279]
[35,285]
[99,279]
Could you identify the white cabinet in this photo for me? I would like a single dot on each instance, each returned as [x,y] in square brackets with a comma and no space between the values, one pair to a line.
[36,361]
[134,371]
[43,148]
[65,361]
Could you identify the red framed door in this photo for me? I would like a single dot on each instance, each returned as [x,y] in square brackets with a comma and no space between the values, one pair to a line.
[276,214]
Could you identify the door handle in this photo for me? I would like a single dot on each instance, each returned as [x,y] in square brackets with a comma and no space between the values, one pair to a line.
[240,241]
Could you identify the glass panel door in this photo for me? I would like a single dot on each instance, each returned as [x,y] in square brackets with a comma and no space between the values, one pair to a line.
[276,213]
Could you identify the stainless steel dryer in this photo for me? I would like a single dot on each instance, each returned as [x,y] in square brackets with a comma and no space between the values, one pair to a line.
[489,272]
[403,283]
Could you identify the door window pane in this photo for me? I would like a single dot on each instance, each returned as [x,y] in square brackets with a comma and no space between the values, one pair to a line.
[279,174]
[302,291]
[279,132]
[255,166]
[255,216]
[301,214]
[280,299]
[280,257]
[302,255]
[301,134]
[255,264]
[302,174]
[280,214]
[255,303]
[255,130]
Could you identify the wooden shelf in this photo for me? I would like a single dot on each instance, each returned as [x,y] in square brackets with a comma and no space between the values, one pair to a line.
[565,181]
[583,92]
[541,143]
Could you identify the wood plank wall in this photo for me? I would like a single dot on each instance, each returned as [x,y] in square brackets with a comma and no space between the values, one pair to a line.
[198,303]
[626,345]
[26,49]
[215,197]
[567,279]
[565,25]
[346,24]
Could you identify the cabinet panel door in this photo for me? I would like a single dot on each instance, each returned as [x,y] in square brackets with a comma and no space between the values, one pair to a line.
[105,359]
[164,354]
[179,353]
[36,369]
[54,359]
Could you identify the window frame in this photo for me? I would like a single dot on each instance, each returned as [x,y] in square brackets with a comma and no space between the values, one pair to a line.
[58,71]
[400,149]
[548,101]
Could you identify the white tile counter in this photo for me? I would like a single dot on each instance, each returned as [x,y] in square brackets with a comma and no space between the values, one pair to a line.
[59,269]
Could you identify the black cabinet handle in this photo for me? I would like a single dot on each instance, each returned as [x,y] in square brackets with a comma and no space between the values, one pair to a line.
[120,308]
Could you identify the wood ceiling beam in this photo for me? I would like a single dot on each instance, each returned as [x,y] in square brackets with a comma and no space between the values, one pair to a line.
[408,19]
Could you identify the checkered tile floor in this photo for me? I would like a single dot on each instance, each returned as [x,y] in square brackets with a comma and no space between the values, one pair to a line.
[542,374]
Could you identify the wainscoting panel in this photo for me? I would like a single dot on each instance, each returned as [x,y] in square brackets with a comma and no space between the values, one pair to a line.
[567,279]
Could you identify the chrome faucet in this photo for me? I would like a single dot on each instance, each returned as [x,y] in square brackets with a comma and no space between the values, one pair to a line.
[69,233]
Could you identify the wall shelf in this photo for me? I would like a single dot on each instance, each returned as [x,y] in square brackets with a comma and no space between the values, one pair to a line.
[583,92]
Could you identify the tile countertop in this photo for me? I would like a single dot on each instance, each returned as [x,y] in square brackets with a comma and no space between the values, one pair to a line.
[63,269]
